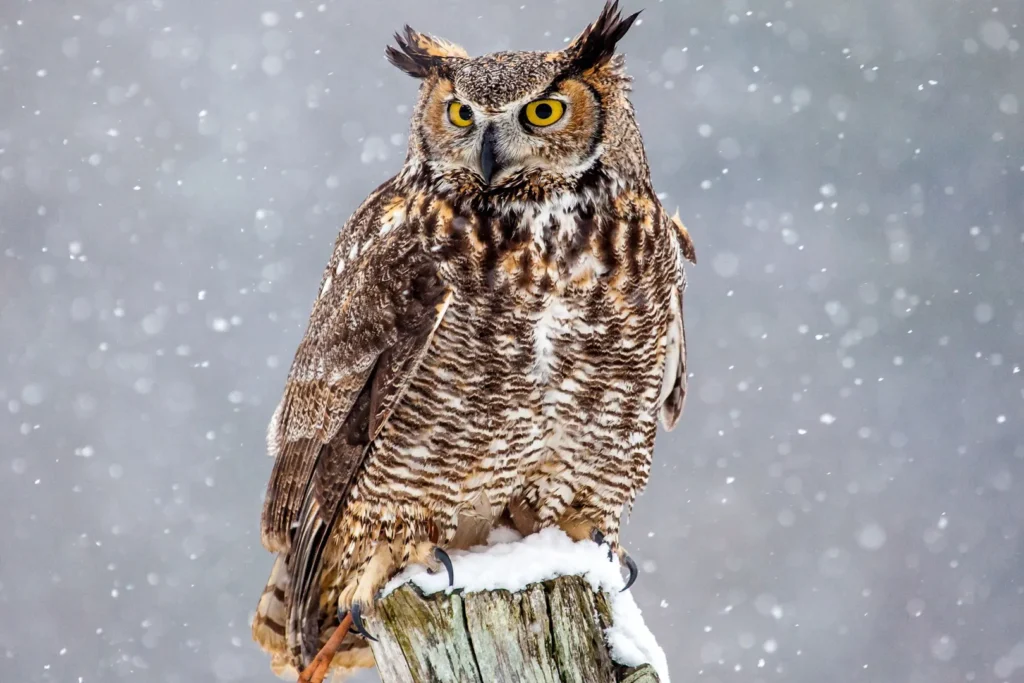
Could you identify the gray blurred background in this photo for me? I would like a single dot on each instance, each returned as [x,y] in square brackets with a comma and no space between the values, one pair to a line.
[842,500]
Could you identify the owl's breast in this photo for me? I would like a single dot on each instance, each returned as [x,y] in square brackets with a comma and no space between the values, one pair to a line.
[565,313]
[557,280]
[548,362]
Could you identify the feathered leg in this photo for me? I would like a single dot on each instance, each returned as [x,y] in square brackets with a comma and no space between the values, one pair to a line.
[359,596]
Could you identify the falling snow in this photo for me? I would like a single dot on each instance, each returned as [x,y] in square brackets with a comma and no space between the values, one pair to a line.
[842,498]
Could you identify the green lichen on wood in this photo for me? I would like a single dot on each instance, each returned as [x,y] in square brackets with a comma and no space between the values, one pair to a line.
[432,637]
[579,640]
[523,653]
[551,632]
[641,674]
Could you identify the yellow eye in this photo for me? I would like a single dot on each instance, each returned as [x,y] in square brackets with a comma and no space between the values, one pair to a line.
[460,114]
[543,113]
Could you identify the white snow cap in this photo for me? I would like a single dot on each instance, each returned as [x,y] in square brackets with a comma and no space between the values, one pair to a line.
[511,562]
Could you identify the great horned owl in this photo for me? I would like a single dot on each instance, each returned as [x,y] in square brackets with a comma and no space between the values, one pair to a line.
[498,330]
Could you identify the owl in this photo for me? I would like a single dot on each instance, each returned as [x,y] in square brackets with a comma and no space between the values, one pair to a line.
[496,336]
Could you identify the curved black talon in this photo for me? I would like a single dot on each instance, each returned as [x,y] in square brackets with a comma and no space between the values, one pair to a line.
[441,556]
[357,622]
[633,571]
[598,537]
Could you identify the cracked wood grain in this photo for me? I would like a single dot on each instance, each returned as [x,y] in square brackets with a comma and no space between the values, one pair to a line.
[550,632]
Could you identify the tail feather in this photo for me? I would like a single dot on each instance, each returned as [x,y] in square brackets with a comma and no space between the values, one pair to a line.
[268,626]
[269,630]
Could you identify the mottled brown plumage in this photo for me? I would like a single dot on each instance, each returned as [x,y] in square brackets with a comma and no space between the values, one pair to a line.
[497,333]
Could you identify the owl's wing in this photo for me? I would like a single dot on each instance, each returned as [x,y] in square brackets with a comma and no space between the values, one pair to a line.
[673,385]
[380,303]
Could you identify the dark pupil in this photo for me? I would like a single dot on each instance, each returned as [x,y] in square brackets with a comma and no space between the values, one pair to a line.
[465,113]
[544,111]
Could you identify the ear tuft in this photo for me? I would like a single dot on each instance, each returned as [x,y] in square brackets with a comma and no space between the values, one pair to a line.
[418,54]
[596,45]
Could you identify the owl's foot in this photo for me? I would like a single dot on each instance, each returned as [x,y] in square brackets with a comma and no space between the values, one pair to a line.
[359,597]
[579,528]
[317,669]
[598,537]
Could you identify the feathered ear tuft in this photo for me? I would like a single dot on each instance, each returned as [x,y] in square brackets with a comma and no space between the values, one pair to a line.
[419,55]
[596,45]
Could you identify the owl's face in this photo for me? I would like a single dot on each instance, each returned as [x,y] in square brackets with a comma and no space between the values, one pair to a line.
[500,121]
[506,114]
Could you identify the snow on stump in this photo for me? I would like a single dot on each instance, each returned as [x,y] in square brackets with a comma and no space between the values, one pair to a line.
[540,609]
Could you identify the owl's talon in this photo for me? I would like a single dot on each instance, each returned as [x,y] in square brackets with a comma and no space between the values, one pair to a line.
[441,556]
[598,537]
[357,622]
[633,571]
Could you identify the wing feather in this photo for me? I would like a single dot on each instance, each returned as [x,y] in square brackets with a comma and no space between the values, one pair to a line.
[673,385]
[381,301]
[367,300]
[335,472]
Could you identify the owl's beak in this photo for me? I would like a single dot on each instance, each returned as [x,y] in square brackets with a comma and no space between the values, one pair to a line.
[489,163]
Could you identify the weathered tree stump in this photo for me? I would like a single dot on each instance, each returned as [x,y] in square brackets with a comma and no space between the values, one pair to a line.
[549,632]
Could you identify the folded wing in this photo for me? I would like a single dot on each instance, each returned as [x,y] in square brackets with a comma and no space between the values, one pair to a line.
[673,386]
[369,330]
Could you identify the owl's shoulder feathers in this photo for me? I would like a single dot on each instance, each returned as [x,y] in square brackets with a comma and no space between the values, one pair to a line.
[380,298]
[380,302]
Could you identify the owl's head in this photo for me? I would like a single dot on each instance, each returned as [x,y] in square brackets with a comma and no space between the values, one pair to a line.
[523,123]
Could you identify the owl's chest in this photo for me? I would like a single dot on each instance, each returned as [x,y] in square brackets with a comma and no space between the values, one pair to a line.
[522,259]
[559,378]
[553,296]
[559,338]
[554,286]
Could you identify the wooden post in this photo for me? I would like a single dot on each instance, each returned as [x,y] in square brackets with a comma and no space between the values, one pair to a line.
[549,632]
